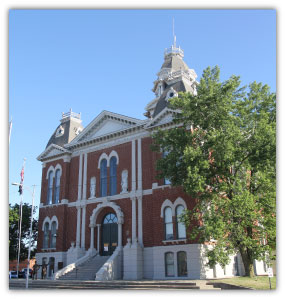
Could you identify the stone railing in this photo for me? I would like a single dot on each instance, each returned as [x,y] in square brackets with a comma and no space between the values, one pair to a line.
[111,270]
[71,266]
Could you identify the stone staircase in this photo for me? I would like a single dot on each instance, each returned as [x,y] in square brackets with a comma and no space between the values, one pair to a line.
[87,270]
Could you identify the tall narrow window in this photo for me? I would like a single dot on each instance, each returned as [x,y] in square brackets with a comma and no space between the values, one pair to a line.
[46,235]
[180,226]
[103,178]
[182,263]
[57,186]
[169,264]
[53,235]
[168,225]
[166,180]
[113,176]
[50,185]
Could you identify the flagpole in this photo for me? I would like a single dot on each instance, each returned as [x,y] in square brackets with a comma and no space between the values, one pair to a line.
[10,130]
[21,205]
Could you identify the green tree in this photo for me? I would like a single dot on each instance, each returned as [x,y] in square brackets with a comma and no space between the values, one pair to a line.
[14,231]
[223,153]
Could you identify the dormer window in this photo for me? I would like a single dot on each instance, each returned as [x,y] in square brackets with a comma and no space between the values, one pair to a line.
[59,131]
[172,93]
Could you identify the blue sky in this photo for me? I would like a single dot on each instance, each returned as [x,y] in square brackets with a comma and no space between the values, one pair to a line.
[94,60]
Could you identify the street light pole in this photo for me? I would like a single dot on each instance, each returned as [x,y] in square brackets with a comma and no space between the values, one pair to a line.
[31,230]
[20,232]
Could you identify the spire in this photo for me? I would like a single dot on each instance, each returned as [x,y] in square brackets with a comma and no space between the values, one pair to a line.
[173,50]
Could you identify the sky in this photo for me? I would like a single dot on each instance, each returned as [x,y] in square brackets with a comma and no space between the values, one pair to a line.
[95,60]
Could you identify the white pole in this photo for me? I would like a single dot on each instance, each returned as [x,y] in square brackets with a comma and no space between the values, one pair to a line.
[31,231]
[19,241]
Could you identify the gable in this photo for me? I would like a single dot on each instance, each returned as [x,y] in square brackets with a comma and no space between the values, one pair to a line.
[108,127]
[165,117]
[105,123]
[51,151]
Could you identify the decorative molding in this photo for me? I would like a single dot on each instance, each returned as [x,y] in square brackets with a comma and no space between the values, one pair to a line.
[106,203]
[52,151]
[46,220]
[50,169]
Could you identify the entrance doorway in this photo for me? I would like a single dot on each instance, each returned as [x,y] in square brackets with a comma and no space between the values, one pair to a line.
[109,233]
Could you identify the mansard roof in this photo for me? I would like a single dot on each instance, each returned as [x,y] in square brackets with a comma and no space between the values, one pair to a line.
[162,103]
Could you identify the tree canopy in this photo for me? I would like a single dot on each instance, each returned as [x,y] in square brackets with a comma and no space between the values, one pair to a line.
[222,151]
[14,231]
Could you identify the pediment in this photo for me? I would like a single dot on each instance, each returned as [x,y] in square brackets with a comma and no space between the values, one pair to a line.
[105,123]
[165,117]
[52,151]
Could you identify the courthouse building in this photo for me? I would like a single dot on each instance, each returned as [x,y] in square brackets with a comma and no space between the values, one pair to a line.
[103,212]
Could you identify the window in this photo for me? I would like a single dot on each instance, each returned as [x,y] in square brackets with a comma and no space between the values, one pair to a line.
[46,236]
[113,176]
[50,185]
[169,264]
[103,178]
[168,225]
[110,218]
[180,226]
[182,263]
[53,235]
[166,181]
[57,186]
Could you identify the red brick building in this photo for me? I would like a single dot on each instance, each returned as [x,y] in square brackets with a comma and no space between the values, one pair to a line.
[100,196]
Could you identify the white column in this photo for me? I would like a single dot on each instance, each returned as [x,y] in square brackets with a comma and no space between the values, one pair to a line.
[120,234]
[134,219]
[78,227]
[83,227]
[92,237]
[98,237]
[139,164]
[84,176]
[140,224]
[133,165]
[79,178]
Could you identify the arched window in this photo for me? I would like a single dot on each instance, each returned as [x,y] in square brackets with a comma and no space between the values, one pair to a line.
[168,225]
[110,218]
[113,176]
[103,178]
[57,186]
[180,226]
[50,185]
[46,235]
[169,264]
[182,263]
[53,235]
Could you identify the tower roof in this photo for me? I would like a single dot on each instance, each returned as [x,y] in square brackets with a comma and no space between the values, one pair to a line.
[69,127]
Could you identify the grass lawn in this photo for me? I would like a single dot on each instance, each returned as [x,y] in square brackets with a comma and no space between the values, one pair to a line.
[257,283]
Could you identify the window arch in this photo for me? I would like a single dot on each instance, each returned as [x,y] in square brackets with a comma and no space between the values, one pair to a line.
[46,235]
[169,264]
[57,186]
[50,187]
[103,178]
[182,263]
[113,176]
[168,225]
[53,234]
[180,226]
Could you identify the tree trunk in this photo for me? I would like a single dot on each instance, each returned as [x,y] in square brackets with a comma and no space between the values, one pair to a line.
[247,262]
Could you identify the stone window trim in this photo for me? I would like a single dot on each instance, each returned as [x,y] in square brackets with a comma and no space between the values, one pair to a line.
[51,174]
[168,203]
[108,158]
[50,221]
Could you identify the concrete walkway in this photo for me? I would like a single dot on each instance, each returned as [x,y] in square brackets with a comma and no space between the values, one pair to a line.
[19,284]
